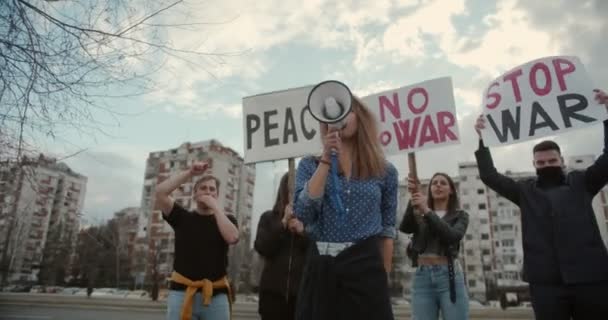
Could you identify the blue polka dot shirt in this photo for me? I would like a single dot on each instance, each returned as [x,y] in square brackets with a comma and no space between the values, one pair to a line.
[370,206]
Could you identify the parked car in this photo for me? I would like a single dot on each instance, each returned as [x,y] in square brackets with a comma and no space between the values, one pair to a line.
[21,288]
[37,289]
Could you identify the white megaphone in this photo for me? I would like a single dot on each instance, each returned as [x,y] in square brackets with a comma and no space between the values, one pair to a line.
[330,102]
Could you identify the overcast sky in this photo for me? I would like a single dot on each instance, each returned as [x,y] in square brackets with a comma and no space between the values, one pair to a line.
[370,45]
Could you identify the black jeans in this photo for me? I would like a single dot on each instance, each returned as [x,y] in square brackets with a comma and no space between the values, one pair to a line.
[274,306]
[570,301]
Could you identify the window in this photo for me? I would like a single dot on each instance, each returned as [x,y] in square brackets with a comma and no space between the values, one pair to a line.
[509,259]
[469,237]
[508,243]
[469,252]
[485,252]
[484,221]
[482,206]
[164,243]
[487,268]
[466,206]
[485,236]
[497,243]
[464,178]
[472,283]
[480,191]
[465,192]
[506,227]
[471,268]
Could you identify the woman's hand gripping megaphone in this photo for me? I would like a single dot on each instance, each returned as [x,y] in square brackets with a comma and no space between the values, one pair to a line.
[332,143]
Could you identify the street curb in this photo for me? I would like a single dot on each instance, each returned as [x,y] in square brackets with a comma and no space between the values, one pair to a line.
[240,309]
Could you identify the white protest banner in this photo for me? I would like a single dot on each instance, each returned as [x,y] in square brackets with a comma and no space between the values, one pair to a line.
[540,98]
[416,117]
[277,125]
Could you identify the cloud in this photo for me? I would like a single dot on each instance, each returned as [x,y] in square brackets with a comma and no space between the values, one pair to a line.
[406,38]
[510,41]
[376,87]
[374,46]
[204,111]
[469,96]
[251,30]
[579,28]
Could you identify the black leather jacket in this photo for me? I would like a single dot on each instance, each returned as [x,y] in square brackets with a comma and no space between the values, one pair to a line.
[450,229]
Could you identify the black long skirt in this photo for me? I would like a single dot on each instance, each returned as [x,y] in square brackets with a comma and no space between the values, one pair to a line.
[351,285]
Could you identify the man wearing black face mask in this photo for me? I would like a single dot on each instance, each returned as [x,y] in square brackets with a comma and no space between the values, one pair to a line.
[565,260]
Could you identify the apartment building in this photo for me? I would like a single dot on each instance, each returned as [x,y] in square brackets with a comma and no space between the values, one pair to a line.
[41,203]
[235,197]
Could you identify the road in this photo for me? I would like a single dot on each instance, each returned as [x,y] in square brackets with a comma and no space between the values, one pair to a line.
[56,307]
[12,312]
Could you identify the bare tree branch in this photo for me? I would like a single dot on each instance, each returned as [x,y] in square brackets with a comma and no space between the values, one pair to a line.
[62,63]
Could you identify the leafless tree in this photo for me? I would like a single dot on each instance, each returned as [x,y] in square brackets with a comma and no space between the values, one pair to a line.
[63,63]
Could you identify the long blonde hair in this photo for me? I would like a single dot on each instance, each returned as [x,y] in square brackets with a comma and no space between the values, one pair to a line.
[368,156]
[368,160]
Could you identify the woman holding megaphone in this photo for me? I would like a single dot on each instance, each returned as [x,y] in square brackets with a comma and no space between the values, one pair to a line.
[350,213]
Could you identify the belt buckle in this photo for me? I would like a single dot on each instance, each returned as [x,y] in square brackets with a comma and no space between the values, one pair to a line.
[331,248]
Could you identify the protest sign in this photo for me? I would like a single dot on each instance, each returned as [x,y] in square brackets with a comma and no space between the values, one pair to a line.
[540,98]
[278,125]
[416,117]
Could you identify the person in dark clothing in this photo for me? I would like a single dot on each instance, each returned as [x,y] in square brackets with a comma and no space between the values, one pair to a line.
[199,286]
[281,241]
[438,227]
[565,260]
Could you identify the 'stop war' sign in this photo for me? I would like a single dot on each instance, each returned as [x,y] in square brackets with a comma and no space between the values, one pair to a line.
[540,98]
